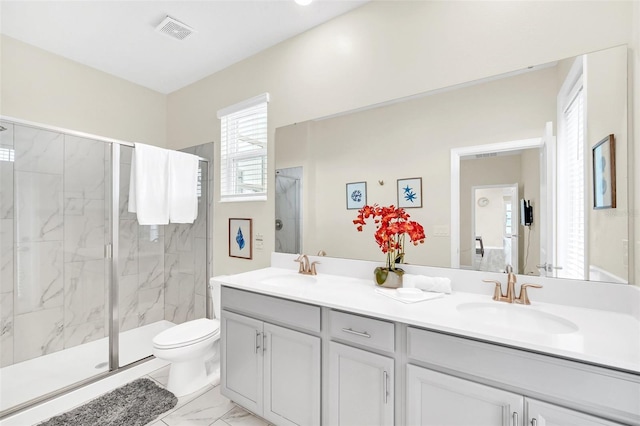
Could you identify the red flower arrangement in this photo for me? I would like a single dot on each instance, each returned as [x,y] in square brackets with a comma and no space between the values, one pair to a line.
[392,225]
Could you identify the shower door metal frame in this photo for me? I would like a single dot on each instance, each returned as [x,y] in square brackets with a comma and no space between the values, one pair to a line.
[111,253]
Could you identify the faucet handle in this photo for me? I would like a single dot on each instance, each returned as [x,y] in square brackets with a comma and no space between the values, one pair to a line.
[300,260]
[313,268]
[523,299]
[497,292]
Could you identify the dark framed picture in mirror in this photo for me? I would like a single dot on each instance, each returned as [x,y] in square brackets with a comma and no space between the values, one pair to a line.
[604,174]
[356,195]
[240,238]
[410,193]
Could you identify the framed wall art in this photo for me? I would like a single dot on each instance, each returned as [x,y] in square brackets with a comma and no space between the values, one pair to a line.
[240,238]
[356,195]
[604,174]
[410,192]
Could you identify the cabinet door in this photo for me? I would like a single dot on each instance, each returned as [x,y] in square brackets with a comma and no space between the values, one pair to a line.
[241,358]
[543,414]
[291,377]
[361,387]
[438,399]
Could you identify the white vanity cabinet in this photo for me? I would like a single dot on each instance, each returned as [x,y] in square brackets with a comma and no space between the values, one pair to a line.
[435,399]
[360,387]
[361,382]
[528,376]
[269,369]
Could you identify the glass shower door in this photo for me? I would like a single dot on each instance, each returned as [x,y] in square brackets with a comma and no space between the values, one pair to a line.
[54,271]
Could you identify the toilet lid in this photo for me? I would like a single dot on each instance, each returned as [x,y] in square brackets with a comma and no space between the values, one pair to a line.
[187,333]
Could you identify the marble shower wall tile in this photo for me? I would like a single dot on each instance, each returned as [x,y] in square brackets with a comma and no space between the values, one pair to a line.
[84,229]
[200,267]
[180,298]
[128,302]
[151,305]
[6,137]
[39,206]
[125,172]
[6,255]
[84,292]
[39,270]
[129,247]
[179,238]
[6,329]
[38,333]
[75,335]
[84,168]
[6,189]
[38,150]
[151,257]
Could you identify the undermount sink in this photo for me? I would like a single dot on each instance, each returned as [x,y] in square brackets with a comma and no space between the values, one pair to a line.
[289,279]
[518,317]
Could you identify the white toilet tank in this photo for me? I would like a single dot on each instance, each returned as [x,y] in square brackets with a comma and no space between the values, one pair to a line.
[215,292]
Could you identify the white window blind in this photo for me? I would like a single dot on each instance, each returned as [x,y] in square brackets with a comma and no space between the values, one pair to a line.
[243,149]
[572,189]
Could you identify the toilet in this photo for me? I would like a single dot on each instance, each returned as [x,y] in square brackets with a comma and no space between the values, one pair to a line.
[192,350]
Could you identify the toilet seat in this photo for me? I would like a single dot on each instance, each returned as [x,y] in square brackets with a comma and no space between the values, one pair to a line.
[188,333]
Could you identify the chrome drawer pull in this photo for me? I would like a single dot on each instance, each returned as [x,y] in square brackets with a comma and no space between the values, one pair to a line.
[357,333]
[514,417]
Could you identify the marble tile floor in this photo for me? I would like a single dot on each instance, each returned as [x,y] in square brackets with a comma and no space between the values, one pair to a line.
[206,407]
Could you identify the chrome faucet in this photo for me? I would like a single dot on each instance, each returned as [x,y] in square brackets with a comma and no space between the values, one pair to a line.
[306,268]
[523,297]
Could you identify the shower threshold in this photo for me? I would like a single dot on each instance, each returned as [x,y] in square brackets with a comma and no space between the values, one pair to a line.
[28,380]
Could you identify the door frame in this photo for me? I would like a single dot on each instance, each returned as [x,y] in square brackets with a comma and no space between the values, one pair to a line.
[456,156]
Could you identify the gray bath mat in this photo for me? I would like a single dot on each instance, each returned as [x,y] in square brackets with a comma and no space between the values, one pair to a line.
[134,404]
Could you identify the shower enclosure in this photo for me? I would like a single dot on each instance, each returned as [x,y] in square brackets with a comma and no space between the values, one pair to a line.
[84,288]
[288,210]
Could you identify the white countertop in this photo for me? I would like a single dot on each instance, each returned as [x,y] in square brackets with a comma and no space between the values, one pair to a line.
[600,337]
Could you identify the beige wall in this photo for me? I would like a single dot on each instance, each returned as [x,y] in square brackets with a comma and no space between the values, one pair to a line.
[634,146]
[382,51]
[44,88]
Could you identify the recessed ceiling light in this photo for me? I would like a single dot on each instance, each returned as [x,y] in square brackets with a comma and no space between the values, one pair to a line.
[303,2]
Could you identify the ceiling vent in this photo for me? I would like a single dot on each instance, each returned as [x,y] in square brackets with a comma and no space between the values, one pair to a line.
[174,28]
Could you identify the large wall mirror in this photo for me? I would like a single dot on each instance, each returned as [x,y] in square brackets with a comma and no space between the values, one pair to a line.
[480,149]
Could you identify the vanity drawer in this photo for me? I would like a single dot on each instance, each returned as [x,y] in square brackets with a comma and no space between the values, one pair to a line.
[365,331]
[272,309]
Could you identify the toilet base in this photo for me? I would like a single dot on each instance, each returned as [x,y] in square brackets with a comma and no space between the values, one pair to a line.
[188,377]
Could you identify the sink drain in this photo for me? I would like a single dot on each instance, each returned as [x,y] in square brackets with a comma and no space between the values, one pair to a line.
[101,365]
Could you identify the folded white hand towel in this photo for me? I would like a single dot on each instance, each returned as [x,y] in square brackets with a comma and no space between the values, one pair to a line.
[434,284]
[148,187]
[183,187]
[394,295]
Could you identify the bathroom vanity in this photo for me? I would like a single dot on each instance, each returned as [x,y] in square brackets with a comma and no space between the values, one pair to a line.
[327,349]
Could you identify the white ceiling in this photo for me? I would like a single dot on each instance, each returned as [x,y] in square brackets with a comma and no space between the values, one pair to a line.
[119,37]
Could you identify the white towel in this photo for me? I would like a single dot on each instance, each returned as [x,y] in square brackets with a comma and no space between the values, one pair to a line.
[434,284]
[183,187]
[149,184]
[394,295]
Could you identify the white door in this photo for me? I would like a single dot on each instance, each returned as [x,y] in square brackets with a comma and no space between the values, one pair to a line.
[436,399]
[291,377]
[360,387]
[241,356]
[547,217]
[543,414]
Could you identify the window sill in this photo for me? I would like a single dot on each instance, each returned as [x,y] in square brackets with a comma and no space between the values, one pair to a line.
[243,199]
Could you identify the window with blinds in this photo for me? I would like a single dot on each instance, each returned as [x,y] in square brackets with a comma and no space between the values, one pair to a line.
[571,189]
[243,150]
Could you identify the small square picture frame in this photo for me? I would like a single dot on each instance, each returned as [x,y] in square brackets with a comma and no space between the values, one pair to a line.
[604,173]
[410,193]
[240,238]
[356,195]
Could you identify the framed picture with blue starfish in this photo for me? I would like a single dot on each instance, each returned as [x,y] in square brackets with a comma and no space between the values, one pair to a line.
[240,238]
[410,193]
